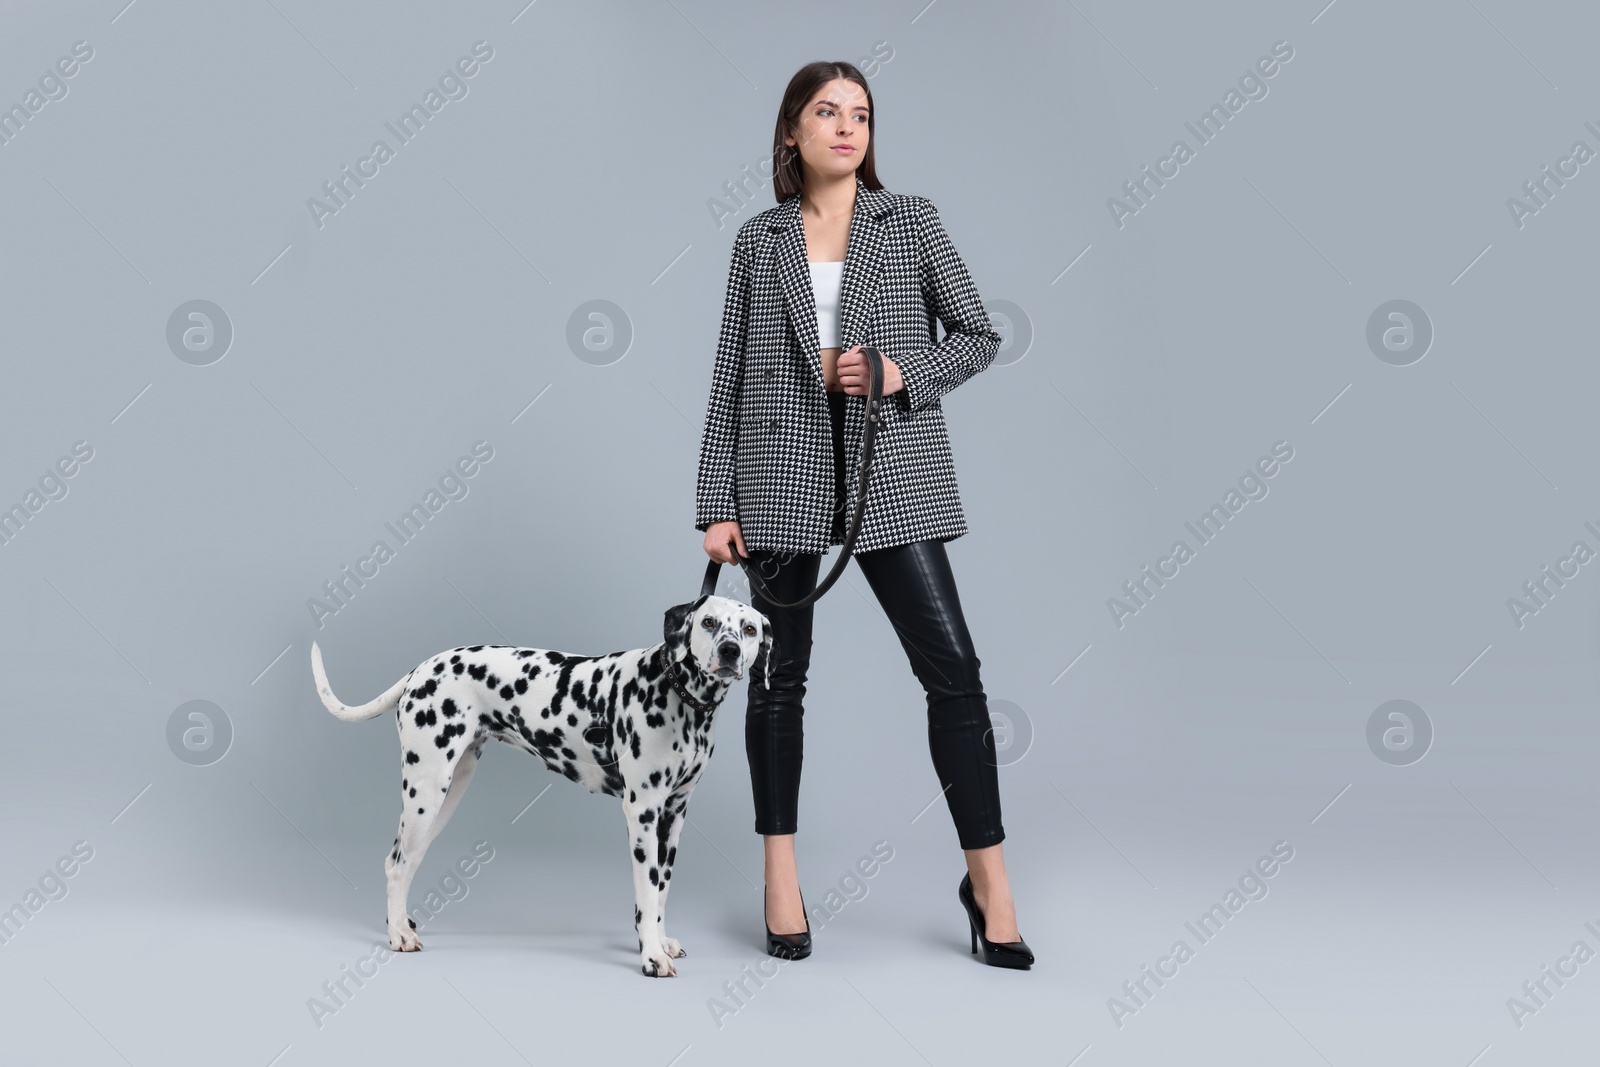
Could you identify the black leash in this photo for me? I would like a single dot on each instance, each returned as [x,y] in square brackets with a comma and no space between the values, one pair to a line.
[874,404]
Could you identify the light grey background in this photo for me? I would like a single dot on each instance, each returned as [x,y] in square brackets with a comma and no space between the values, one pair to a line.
[1163,358]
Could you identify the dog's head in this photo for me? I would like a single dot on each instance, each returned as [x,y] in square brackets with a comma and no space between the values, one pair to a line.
[720,637]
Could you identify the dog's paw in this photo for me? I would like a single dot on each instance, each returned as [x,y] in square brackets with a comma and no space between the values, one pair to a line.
[405,940]
[657,965]
[674,949]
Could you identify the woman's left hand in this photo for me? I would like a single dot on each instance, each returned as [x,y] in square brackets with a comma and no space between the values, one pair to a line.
[856,377]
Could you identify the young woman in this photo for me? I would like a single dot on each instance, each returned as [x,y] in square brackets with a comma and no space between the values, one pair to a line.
[842,262]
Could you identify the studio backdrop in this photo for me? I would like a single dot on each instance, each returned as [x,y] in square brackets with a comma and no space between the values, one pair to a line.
[391,327]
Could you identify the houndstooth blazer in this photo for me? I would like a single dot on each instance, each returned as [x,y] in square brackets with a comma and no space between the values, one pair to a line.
[766,452]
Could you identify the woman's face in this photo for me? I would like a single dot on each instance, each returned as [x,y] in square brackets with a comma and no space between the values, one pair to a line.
[832,135]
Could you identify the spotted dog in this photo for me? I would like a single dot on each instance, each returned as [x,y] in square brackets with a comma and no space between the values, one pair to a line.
[635,725]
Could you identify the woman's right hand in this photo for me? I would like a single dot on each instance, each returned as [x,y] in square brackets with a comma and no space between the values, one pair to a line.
[718,534]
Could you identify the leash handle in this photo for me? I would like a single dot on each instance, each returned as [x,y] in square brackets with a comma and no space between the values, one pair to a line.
[868,440]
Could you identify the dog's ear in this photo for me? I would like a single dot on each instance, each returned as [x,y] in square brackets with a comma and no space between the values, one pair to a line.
[764,657]
[673,626]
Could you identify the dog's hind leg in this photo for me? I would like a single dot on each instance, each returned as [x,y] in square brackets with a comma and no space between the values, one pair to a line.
[431,797]
[643,816]
[668,829]
[458,785]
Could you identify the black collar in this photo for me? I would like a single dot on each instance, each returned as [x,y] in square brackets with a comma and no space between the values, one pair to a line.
[683,693]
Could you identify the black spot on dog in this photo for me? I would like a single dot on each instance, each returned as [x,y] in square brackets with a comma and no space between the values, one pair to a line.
[412,757]
[506,692]
[478,671]
[448,708]
[413,791]
[521,686]
[475,648]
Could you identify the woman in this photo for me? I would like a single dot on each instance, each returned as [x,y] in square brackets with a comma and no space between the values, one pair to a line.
[841,262]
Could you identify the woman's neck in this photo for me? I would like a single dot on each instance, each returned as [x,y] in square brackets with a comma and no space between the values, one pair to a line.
[829,199]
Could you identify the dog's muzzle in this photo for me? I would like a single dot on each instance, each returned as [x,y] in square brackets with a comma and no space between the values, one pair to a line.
[728,659]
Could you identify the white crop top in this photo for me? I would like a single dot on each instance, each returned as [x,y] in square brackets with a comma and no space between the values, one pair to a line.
[826,280]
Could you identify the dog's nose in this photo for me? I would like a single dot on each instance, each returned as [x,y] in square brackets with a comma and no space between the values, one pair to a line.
[728,652]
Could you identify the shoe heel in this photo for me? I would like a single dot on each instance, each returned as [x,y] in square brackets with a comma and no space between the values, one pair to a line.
[1014,954]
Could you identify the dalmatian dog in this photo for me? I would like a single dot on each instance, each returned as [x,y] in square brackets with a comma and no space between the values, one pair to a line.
[635,725]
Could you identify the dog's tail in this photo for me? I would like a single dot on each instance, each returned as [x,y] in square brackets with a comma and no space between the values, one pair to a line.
[387,702]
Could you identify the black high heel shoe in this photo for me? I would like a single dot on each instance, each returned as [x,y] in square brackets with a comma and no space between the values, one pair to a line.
[786,946]
[1015,954]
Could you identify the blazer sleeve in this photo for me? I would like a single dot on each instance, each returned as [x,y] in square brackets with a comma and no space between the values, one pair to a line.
[970,341]
[714,483]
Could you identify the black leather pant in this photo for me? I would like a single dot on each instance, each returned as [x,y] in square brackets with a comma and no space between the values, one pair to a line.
[916,589]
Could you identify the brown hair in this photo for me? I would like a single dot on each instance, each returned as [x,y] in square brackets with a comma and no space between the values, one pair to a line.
[787,177]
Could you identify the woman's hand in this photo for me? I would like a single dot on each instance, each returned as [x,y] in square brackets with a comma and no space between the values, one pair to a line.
[856,377]
[718,534]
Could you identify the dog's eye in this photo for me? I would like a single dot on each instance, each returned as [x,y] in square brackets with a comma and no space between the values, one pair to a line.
[749,630]
[707,622]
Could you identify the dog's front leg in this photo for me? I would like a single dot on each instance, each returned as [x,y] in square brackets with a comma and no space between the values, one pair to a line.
[668,829]
[643,816]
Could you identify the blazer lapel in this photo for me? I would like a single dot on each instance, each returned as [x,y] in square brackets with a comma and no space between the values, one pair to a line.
[863,261]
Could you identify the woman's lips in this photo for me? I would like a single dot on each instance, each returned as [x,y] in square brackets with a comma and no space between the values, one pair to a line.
[844,149]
